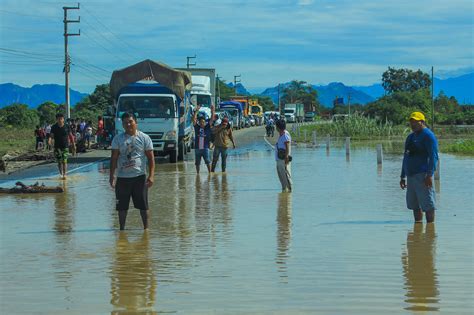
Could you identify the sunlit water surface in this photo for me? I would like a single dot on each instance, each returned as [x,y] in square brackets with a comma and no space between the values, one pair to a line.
[341,243]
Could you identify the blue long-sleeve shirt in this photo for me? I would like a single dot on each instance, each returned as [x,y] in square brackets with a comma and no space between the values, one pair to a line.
[421,153]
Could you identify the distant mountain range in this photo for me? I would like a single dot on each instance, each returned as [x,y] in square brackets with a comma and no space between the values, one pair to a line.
[461,87]
[37,94]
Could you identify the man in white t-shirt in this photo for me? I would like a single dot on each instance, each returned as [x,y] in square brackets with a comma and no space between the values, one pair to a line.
[130,152]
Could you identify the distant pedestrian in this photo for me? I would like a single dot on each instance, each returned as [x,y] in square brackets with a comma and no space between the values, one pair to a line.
[202,132]
[223,138]
[100,134]
[39,135]
[60,135]
[419,164]
[88,134]
[283,156]
[130,152]
[72,138]
[47,130]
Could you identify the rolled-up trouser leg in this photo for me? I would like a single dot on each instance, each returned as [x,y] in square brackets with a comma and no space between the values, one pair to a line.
[284,174]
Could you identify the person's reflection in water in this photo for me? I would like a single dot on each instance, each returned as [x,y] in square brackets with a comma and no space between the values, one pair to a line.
[419,269]
[283,232]
[133,280]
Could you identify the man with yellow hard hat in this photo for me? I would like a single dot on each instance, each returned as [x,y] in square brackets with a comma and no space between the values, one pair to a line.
[419,164]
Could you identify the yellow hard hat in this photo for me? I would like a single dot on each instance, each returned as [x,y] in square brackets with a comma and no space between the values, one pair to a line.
[417,116]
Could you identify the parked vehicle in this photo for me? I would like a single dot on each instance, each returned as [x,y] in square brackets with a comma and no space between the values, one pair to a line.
[252,120]
[234,109]
[339,117]
[161,104]
[294,112]
[203,89]
[309,116]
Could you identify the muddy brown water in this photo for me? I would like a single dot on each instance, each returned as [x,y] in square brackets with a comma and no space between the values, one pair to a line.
[341,243]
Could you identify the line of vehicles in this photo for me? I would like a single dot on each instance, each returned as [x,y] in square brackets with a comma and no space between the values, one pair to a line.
[164,98]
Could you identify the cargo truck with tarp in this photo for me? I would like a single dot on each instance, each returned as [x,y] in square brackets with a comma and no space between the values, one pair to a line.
[160,98]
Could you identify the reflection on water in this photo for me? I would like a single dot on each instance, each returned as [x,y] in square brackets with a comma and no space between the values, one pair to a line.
[283,232]
[133,279]
[421,279]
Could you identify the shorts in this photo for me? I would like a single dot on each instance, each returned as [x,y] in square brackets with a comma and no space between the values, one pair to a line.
[134,187]
[61,155]
[204,153]
[418,195]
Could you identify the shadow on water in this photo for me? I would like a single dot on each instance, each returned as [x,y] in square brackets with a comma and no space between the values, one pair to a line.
[283,232]
[133,279]
[421,278]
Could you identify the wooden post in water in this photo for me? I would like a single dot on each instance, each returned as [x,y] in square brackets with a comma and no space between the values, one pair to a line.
[328,142]
[314,138]
[379,154]
[305,134]
[436,174]
[348,145]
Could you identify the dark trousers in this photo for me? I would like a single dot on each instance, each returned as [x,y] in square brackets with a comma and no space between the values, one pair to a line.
[215,158]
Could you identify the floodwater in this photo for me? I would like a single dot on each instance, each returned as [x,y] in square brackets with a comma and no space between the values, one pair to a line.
[341,243]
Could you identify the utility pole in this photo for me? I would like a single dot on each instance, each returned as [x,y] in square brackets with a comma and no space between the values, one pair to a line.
[218,96]
[235,82]
[190,64]
[67,60]
[279,104]
[432,100]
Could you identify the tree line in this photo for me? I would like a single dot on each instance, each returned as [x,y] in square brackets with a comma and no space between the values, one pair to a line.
[406,91]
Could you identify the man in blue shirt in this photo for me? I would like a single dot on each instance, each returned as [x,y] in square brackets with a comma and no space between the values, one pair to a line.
[419,164]
[202,133]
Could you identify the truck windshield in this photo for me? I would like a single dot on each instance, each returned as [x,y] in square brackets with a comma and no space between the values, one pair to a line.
[148,106]
[255,110]
[289,111]
[232,112]
[204,100]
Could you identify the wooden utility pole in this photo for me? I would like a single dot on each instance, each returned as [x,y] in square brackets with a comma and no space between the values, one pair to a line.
[432,100]
[235,82]
[349,102]
[67,60]
[279,104]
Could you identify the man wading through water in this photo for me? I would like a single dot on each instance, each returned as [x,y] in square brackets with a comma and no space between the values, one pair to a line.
[283,157]
[60,134]
[223,135]
[130,151]
[419,165]
[202,132]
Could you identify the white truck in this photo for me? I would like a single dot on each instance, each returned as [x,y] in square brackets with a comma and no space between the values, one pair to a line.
[203,89]
[160,98]
[294,112]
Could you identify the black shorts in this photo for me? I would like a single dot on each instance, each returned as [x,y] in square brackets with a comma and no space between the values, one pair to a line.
[134,187]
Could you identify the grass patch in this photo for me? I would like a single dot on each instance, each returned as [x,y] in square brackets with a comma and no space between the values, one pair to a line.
[16,140]
[462,146]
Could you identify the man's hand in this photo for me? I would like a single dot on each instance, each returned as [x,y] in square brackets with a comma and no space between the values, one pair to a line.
[233,145]
[112,181]
[428,181]
[403,184]
[198,107]
[150,180]
[213,108]
[287,160]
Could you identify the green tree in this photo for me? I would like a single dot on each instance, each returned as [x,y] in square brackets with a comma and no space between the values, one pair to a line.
[98,101]
[404,80]
[224,90]
[265,101]
[19,115]
[301,92]
[47,112]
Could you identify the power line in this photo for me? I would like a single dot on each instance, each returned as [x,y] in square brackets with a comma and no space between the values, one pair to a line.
[27,52]
[105,48]
[29,15]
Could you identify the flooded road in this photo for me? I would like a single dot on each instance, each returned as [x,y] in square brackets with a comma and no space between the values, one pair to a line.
[341,243]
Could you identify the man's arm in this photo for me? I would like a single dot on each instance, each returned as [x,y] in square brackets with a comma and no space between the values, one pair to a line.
[151,168]
[113,166]
[431,146]
[231,137]
[196,111]
[213,111]
[287,152]
[50,140]
[403,183]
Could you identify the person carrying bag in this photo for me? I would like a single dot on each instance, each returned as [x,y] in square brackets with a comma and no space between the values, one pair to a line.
[283,157]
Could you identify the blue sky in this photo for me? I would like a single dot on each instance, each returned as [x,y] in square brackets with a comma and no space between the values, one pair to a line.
[267,42]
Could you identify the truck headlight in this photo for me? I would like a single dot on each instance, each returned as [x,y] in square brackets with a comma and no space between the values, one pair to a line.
[170,135]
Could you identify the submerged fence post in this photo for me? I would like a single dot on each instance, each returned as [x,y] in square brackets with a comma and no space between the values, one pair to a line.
[328,142]
[314,138]
[305,134]
[379,154]
[348,145]
[436,174]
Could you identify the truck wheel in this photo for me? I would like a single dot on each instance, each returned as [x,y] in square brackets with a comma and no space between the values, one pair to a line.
[181,151]
[173,156]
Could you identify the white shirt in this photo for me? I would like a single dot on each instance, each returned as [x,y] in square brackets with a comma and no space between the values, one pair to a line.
[132,158]
[285,137]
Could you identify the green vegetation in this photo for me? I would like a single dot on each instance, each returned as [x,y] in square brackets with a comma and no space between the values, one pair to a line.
[357,127]
[463,146]
[16,140]
[301,92]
